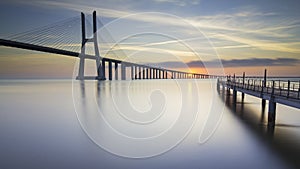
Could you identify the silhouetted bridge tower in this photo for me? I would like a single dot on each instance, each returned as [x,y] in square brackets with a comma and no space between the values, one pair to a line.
[37,40]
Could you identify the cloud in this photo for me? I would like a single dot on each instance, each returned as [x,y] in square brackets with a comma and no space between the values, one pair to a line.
[179,2]
[246,27]
[260,62]
[234,63]
[289,47]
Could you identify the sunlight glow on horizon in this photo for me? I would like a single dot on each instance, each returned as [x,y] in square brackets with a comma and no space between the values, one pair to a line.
[239,33]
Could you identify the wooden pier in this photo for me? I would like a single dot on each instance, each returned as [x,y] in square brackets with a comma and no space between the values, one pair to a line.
[286,92]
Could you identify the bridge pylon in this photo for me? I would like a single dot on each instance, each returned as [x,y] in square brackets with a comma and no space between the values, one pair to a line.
[82,55]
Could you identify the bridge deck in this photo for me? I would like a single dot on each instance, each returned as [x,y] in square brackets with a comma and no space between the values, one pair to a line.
[34,47]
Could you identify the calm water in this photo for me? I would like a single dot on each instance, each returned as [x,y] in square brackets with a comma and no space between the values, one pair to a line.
[140,124]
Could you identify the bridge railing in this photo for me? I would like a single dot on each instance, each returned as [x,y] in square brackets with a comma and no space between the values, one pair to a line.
[285,88]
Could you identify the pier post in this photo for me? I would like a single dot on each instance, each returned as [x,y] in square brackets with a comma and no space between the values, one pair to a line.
[272,112]
[272,108]
[243,94]
[298,89]
[288,92]
[109,70]
[263,102]
[218,85]
[234,92]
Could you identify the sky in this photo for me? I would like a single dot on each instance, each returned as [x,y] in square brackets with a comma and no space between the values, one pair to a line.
[190,35]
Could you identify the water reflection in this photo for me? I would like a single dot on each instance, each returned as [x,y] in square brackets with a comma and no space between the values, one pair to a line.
[252,113]
[122,114]
[38,117]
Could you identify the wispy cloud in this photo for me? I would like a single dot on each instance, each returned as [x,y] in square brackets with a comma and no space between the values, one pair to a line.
[179,2]
[231,27]
[290,47]
[234,63]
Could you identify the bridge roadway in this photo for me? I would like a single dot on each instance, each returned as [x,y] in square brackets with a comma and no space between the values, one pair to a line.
[143,72]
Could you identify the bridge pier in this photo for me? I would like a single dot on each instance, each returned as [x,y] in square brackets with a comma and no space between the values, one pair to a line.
[135,72]
[147,73]
[109,70]
[81,67]
[140,73]
[132,72]
[103,70]
[82,56]
[116,71]
[123,71]
[143,70]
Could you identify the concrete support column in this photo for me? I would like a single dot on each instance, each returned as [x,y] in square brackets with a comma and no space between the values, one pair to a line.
[159,74]
[116,71]
[143,71]
[103,69]
[147,73]
[132,72]
[135,72]
[123,71]
[140,73]
[109,70]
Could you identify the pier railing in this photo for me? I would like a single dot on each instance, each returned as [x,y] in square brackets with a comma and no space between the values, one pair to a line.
[285,88]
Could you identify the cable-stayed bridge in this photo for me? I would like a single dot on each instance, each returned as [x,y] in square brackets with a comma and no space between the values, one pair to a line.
[64,38]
